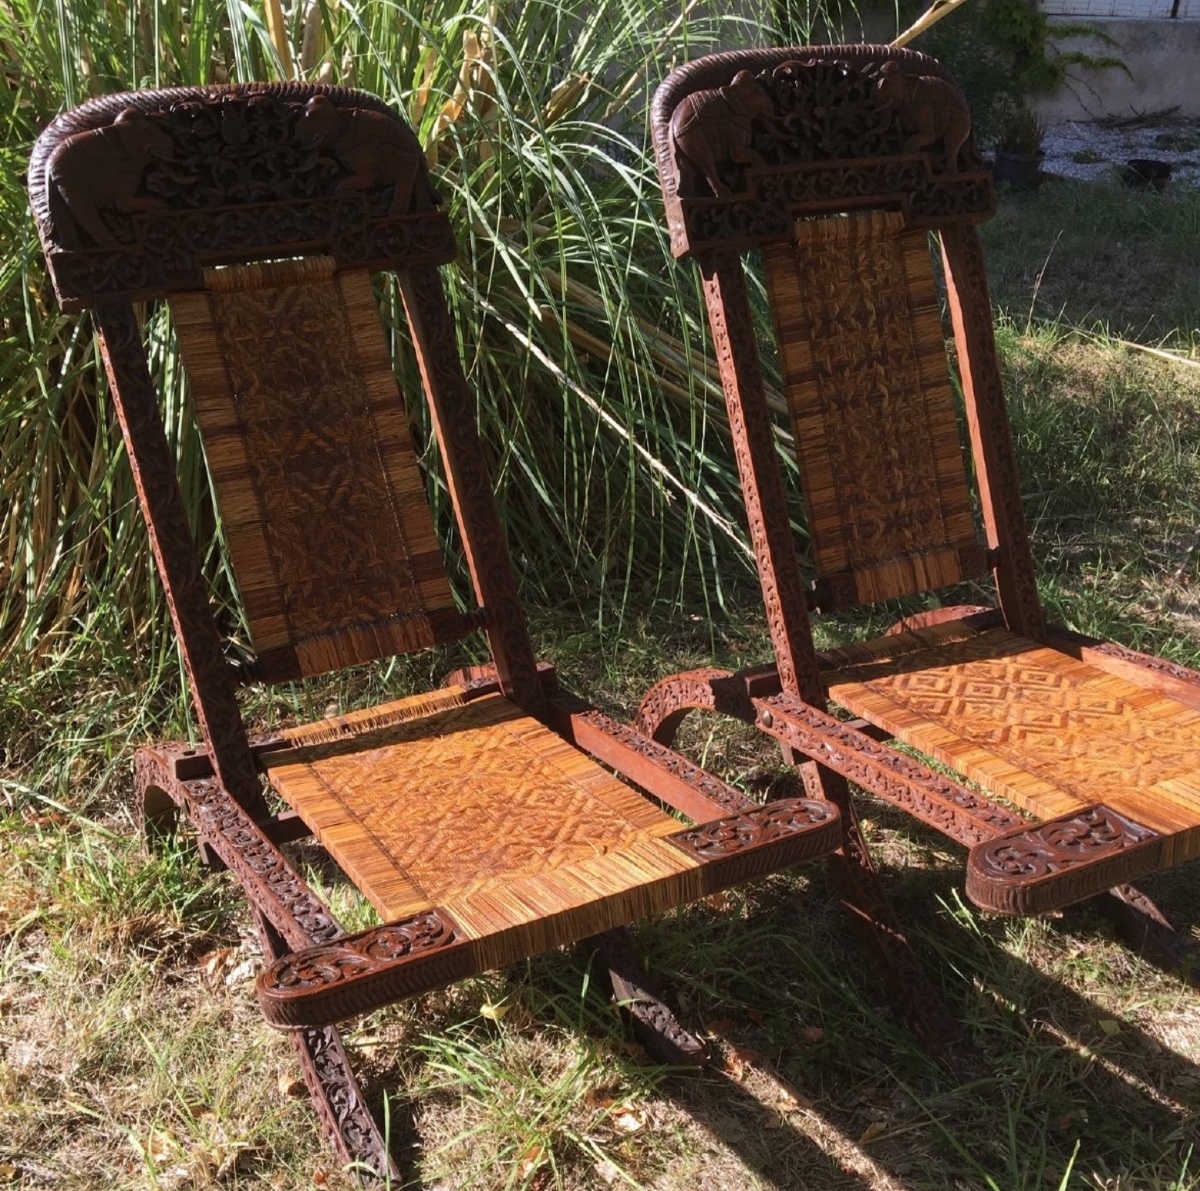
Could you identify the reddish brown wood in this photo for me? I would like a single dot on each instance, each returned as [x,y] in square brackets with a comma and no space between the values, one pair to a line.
[744,139]
[675,780]
[833,161]
[758,468]
[174,550]
[991,438]
[135,193]
[1050,864]
[470,485]
[265,197]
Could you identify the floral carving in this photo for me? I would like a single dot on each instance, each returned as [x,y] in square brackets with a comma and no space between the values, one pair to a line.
[755,828]
[939,801]
[134,193]
[1060,861]
[269,879]
[348,976]
[778,133]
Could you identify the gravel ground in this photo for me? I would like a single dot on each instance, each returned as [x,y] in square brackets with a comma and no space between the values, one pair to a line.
[1095,150]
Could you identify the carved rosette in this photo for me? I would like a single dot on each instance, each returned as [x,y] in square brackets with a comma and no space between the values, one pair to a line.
[748,141]
[748,844]
[1052,864]
[134,194]
[352,975]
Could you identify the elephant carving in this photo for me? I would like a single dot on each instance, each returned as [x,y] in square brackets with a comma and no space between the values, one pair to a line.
[100,171]
[374,150]
[930,111]
[713,129]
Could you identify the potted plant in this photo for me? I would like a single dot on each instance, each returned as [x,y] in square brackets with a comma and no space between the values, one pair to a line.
[1019,151]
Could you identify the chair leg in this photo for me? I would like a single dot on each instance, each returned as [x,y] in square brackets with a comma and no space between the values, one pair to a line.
[347,1122]
[655,1025]
[912,995]
[1149,932]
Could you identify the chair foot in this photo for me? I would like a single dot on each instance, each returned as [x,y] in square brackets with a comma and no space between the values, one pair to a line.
[1149,932]
[346,1120]
[655,1025]
[912,995]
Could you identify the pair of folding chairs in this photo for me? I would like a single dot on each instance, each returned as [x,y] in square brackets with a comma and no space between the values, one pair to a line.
[500,815]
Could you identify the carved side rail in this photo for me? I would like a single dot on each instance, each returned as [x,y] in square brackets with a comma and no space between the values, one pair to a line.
[666,774]
[963,815]
[270,880]
[1044,866]
[326,983]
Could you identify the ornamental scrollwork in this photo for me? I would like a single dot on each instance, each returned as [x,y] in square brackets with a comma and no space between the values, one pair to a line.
[812,131]
[755,828]
[331,963]
[1059,844]
[135,193]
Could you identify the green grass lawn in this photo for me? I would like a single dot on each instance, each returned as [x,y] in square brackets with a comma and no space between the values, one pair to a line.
[132,1053]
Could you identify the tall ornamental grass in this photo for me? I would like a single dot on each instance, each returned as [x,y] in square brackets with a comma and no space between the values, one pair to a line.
[579,335]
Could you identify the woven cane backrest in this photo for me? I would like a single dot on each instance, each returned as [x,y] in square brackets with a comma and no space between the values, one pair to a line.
[258,212]
[835,163]
[863,359]
[307,439]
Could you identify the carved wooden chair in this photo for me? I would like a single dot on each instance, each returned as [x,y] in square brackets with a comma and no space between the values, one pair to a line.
[485,821]
[1078,760]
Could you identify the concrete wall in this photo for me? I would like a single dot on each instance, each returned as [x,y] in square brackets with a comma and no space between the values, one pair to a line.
[1163,61]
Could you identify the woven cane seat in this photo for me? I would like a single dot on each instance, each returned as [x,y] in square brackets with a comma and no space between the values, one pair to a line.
[477,809]
[1049,732]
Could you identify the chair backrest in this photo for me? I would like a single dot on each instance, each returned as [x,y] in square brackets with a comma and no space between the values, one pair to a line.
[836,163]
[258,212]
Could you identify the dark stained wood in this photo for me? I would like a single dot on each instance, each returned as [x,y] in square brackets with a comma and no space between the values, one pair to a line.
[175,555]
[758,468]
[486,819]
[835,162]
[991,438]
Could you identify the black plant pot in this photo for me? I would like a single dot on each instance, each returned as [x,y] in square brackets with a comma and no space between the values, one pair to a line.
[1144,173]
[1021,171]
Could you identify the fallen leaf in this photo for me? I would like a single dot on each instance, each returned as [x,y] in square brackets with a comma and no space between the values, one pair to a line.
[320,1178]
[163,1146]
[531,1159]
[493,1012]
[871,1132]
[811,1034]
[756,1016]
[625,1120]
[1110,1027]
[214,965]
[775,1120]
[719,1026]
[291,1086]
[8,1172]
[739,1059]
